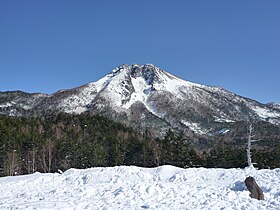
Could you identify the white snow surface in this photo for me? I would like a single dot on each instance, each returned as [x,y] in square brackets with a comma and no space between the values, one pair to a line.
[141,92]
[195,127]
[112,87]
[131,187]
[5,105]
[265,113]
[121,89]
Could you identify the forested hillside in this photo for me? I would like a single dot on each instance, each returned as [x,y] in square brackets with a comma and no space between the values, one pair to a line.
[62,141]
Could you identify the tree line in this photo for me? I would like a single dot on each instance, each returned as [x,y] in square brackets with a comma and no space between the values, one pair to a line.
[62,141]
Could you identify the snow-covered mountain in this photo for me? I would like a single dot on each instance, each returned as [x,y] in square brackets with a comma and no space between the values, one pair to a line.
[144,96]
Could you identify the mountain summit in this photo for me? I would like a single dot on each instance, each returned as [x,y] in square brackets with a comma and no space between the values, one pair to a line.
[146,97]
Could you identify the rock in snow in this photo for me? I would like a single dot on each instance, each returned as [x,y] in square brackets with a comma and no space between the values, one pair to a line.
[131,187]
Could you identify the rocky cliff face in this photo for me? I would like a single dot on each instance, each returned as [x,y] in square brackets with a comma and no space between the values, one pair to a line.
[146,97]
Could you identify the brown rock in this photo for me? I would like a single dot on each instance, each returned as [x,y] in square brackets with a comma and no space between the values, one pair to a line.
[255,190]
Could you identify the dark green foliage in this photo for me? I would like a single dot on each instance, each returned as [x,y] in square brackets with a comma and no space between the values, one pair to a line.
[177,151]
[226,156]
[62,141]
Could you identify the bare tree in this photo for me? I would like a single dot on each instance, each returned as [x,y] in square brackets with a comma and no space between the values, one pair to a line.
[46,155]
[12,163]
[33,159]
[249,145]
[156,148]
[30,160]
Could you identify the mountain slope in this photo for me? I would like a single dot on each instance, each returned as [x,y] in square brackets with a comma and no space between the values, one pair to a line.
[144,96]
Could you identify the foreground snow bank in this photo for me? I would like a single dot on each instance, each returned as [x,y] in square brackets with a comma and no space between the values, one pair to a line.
[130,187]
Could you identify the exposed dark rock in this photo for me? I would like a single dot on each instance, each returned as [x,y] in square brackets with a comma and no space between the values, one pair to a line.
[253,187]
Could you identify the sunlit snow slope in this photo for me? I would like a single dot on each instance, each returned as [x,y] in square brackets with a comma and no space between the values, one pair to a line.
[129,187]
[145,96]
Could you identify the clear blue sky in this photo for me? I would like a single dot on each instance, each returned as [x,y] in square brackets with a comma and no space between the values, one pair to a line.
[58,44]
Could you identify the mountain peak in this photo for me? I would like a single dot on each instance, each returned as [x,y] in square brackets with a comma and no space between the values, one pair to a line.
[149,72]
[145,95]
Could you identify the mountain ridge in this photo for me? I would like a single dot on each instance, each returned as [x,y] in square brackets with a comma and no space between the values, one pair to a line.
[145,96]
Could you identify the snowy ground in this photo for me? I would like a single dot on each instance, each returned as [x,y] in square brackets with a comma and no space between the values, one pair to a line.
[130,187]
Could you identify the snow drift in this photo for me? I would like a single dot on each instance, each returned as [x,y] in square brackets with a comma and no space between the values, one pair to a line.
[130,187]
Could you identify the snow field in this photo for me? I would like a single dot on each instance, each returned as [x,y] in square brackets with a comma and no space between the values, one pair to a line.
[131,187]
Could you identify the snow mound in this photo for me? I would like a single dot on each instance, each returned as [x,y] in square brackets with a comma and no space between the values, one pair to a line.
[130,187]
